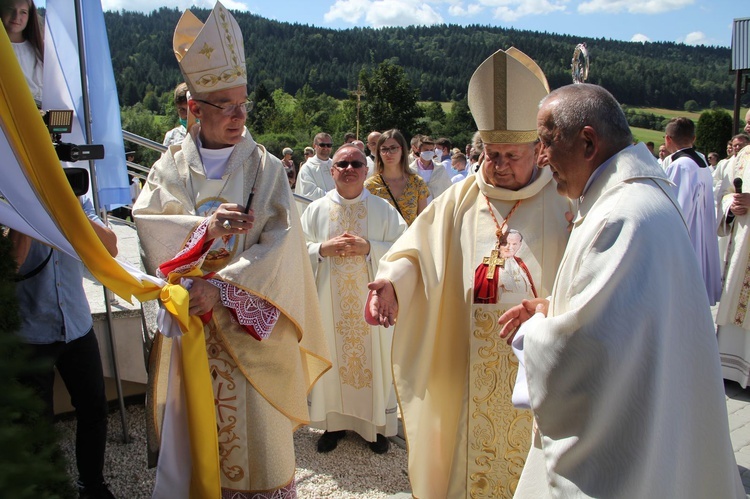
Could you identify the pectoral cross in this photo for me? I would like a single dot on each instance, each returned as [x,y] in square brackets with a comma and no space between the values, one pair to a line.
[493,262]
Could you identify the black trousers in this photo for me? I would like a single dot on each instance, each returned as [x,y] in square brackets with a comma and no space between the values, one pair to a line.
[80,368]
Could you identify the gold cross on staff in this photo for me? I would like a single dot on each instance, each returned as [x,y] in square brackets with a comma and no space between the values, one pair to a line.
[493,262]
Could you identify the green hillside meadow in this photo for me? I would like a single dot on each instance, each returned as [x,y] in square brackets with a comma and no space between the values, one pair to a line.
[657,137]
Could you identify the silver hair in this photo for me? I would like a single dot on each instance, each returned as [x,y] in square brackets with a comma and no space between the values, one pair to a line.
[585,104]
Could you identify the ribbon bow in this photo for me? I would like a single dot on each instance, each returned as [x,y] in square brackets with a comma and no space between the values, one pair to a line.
[205,481]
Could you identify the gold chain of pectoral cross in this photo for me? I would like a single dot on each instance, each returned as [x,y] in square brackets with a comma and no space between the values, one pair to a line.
[495,260]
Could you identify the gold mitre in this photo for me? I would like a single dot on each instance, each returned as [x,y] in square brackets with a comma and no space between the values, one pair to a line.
[504,95]
[211,55]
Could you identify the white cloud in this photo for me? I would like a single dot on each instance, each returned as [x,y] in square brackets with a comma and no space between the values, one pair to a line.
[350,11]
[458,9]
[380,13]
[632,6]
[402,13]
[512,10]
[640,37]
[696,38]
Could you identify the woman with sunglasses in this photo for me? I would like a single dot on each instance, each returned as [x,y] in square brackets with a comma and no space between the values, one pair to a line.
[393,181]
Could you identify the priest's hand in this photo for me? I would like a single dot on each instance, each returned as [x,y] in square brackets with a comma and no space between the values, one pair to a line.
[345,245]
[740,203]
[355,245]
[519,314]
[229,219]
[381,307]
[203,297]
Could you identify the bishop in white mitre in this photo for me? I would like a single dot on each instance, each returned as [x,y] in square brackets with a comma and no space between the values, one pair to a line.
[483,246]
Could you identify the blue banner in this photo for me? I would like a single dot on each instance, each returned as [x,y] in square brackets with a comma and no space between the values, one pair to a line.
[63,90]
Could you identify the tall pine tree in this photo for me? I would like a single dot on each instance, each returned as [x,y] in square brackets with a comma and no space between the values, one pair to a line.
[390,101]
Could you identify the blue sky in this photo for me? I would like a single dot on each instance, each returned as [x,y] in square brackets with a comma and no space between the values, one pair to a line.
[692,22]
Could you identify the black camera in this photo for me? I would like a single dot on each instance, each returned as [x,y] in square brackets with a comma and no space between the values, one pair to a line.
[59,122]
[78,178]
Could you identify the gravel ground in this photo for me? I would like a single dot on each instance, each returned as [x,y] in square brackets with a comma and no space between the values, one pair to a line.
[350,471]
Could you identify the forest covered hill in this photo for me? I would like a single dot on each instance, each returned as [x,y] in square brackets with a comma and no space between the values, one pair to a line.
[439,60]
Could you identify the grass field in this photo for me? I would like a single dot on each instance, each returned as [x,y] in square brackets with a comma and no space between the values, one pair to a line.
[645,135]
[672,113]
[447,106]
[668,113]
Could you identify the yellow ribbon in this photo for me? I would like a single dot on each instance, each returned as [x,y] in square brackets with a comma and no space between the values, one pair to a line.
[205,482]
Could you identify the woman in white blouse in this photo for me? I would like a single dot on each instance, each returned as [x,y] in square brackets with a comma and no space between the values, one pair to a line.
[21,22]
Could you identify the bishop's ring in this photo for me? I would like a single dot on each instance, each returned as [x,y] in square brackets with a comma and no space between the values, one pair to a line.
[226,225]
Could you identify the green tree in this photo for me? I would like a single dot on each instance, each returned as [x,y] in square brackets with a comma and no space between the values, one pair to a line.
[434,112]
[140,121]
[390,101]
[151,102]
[314,112]
[263,113]
[713,131]
[459,124]
[285,106]
[276,142]
[691,106]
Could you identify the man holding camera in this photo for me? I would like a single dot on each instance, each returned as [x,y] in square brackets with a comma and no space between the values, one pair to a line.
[56,325]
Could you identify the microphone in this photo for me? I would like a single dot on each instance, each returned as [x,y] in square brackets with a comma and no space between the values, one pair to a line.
[738,189]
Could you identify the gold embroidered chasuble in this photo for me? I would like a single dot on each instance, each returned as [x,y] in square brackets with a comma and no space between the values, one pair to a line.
[454,375]
[357,393]
[260,387]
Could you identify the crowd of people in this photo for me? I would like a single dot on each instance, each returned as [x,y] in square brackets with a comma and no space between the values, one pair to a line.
[515,303]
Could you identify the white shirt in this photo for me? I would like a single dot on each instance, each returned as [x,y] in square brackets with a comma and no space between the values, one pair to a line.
[31,66]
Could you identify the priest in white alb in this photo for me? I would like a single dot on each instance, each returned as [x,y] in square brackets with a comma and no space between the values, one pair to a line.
[732,319]
[445,280]
[621,365]
[689,172]
[314,177]
[724,183]
[347,233]
[216,217]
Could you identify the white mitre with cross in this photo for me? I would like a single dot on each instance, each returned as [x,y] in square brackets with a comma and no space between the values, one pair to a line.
[211,55]
[504,95]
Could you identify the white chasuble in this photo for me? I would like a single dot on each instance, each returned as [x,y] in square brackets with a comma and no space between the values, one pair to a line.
[454,375]
[259,387]
[314,179]
[357,393]
[623,376]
